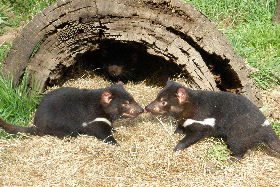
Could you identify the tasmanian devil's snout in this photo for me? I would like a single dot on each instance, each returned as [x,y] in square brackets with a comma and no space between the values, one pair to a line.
[156,107]
[115,70]
[132,110]
[136,110]
[150,107]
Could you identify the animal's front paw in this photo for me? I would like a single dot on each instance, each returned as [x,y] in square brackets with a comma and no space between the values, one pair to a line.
[179,130]
[236,157]
[111,140]
[179,147]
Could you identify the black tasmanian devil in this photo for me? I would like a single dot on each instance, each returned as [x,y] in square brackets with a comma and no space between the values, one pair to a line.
[71,111]
[203,114]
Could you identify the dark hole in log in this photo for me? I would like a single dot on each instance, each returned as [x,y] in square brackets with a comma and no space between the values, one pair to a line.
[225,77]
[121,61]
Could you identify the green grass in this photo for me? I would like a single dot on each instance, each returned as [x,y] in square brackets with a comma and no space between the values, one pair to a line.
[276,127]
[14,13]
[17,104]
[25,10]
[236,11]
[260,45]
[7,18]
[28,8]
[218,151]
[248,26]
[4,48]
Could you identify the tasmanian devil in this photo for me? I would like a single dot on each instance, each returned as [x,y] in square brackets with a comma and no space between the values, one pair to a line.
[117,62]
[120,67]
[71,111]
[202,114]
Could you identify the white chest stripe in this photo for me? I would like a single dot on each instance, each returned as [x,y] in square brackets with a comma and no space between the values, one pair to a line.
[266,123]
[105,120]
[207,121]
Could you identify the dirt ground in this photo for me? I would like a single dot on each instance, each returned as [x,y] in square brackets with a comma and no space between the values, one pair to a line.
[271,102]
[9,36]
[144,157]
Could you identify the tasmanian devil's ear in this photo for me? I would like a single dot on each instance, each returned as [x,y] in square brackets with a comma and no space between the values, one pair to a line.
[169,82]
[120,83]
[182,95]
[106,97]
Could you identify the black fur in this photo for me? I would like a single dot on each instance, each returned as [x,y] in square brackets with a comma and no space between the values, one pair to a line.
[120,63]
[63,111]
[238,120]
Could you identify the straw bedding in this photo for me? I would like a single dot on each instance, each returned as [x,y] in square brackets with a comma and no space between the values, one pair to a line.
[144,157]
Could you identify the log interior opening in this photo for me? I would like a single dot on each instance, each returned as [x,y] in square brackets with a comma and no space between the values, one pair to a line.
[225,77]
[121,61]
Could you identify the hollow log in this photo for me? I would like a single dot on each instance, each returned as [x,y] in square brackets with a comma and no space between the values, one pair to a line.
[170,29]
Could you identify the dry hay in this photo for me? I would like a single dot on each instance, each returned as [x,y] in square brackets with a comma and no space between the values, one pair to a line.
[271,100]
[144,157]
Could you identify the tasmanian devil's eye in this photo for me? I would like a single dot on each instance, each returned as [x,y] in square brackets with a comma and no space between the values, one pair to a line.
[125,103]
[164,103]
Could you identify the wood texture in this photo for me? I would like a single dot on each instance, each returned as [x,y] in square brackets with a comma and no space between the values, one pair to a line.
[276,17]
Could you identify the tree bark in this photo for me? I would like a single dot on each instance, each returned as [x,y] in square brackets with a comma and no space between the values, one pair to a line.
[171,29]
[276,17]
